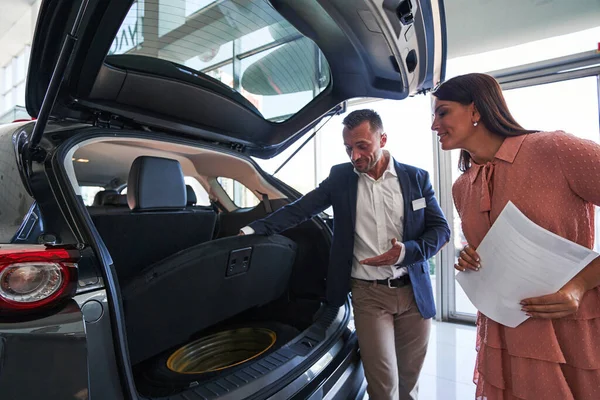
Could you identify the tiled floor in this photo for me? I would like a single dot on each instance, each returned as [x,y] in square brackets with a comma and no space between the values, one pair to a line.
[448,370]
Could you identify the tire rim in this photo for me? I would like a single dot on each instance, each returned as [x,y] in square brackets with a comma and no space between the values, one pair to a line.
[221,350]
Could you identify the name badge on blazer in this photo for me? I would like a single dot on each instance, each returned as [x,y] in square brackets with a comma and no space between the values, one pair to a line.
[419,203]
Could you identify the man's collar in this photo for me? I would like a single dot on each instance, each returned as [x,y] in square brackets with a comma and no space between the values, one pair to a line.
[390,167]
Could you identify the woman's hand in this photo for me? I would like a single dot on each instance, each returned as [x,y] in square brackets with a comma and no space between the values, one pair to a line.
[557,305]
[468,260]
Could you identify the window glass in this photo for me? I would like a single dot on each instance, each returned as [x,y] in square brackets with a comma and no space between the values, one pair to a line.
[4,86]
[202,198]
[20,92]
[241,196]
[206,60]
[21,67]
[191,6]
[8,100]
[280,70]
[224,74]
[462,304]
[88,193]
[8,76]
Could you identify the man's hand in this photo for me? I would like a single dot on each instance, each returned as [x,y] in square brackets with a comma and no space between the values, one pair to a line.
[390,257]
[557,305]
[241,233]
[468,259]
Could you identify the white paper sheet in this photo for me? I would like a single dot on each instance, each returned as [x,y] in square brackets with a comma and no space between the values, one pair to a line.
[519,259]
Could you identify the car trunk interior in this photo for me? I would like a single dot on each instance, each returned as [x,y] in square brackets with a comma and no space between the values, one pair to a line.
[183,271]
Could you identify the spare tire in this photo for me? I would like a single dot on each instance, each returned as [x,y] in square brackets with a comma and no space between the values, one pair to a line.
[216,353]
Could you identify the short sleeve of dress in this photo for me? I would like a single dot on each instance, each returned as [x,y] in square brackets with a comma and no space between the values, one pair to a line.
[580,163]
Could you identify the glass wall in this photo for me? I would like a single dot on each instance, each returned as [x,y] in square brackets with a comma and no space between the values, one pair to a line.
[12,87]
[410,141]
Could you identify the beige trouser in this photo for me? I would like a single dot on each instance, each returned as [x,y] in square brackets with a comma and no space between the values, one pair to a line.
[392,336]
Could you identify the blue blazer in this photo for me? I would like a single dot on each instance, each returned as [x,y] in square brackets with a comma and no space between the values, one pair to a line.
[425,232]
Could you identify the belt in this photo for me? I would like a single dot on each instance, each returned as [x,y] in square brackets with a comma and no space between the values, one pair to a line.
[391,283]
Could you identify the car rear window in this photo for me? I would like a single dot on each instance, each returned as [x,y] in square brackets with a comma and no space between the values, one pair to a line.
[245,44]
[15,202]
[88,193]
[241,196]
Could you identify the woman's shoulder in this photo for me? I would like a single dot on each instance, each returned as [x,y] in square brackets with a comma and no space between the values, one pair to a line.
[550,138]
[543,138]
[553,141]
[540,144]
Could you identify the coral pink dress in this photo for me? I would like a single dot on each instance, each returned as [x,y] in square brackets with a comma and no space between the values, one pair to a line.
[554,179]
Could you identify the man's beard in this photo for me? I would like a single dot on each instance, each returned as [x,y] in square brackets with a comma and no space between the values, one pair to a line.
[368,166]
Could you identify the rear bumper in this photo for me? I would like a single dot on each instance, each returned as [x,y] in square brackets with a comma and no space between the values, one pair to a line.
[70,355]
[65,355]
[341,379]
[45,358]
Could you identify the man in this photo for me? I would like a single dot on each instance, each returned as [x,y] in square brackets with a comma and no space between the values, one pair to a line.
[377,203]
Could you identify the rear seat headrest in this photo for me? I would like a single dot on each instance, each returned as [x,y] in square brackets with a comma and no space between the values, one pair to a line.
[100,197]
[115,200]
[156,183]
[191,196]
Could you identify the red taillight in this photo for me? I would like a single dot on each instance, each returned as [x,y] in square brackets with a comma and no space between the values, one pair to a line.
[32,277]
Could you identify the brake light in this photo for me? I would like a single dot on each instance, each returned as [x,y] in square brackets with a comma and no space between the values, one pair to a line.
[33,277]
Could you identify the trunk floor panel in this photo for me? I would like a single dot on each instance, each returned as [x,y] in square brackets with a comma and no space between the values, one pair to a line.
[227,382]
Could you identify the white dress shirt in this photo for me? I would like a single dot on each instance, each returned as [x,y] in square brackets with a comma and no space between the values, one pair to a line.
[379,219]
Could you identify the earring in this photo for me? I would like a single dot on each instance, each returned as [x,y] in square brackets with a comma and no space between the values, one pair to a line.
[475,123]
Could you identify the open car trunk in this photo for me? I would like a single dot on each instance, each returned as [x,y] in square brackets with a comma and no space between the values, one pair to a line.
[198,329]
[203,305]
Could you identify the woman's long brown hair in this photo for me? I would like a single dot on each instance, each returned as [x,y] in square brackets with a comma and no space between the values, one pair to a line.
[485,93]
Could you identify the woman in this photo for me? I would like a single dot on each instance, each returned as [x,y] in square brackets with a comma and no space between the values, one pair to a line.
[554,179]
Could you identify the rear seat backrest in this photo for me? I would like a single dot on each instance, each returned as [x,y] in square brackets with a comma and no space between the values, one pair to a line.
[156,225]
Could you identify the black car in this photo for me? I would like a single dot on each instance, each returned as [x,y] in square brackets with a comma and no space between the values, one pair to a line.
[141,287]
